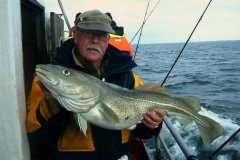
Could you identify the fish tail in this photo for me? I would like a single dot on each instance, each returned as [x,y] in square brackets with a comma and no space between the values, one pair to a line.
[209,130]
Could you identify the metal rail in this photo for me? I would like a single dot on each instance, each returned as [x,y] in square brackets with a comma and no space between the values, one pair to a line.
[179,140]
[64,15]
[165,148]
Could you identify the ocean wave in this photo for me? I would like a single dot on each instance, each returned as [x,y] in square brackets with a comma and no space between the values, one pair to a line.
[191,82]
[229,70]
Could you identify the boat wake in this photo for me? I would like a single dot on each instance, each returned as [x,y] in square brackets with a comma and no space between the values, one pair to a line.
[191,137]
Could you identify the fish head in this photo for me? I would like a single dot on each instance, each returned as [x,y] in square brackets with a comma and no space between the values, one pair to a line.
[65,82]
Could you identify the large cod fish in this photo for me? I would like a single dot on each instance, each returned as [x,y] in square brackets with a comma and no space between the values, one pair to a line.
[113,107]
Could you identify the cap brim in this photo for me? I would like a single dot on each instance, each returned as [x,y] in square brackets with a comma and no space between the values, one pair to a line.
[95,26]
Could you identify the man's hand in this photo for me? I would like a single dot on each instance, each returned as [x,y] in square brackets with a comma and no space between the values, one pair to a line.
[154,118]
[53,105]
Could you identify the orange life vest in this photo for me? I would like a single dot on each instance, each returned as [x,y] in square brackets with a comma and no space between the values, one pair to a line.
[121,43]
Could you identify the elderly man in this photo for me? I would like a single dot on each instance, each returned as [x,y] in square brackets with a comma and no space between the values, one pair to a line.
[50,125]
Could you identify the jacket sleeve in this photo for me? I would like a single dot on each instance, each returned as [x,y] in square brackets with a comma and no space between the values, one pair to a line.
[41,125]
[142,131]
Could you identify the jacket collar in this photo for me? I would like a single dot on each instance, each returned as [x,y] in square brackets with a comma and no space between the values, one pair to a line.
[118,61]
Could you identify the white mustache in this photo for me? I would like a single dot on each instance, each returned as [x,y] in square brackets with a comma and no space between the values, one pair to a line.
[94,47]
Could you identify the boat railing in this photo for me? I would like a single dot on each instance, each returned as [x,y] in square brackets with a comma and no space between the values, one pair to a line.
[159,140]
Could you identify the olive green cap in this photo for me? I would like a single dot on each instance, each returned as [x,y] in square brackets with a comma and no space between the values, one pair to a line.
[94,20]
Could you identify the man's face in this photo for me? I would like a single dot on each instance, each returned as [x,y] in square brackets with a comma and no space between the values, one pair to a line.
[91,45]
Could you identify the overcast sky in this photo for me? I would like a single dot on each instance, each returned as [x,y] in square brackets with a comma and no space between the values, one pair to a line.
[171,21]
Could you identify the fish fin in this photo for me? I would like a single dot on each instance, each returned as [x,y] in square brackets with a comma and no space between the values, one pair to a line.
[193,102]
[210,130]
[82,123]
[184,121]
[108,113]
[153,88]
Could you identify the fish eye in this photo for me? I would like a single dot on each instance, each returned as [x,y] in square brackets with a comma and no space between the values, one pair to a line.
[66,72]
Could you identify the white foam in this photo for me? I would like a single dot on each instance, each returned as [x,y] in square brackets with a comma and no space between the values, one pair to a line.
[191,132]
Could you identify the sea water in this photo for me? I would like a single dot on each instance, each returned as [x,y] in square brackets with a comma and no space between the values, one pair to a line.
[208,70]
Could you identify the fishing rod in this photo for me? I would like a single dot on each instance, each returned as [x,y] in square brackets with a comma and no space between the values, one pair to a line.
[141,30]
[145,21]
[217,150]
[177,137]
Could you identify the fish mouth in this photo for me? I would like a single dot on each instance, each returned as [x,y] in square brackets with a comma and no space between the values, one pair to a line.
[45,76]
